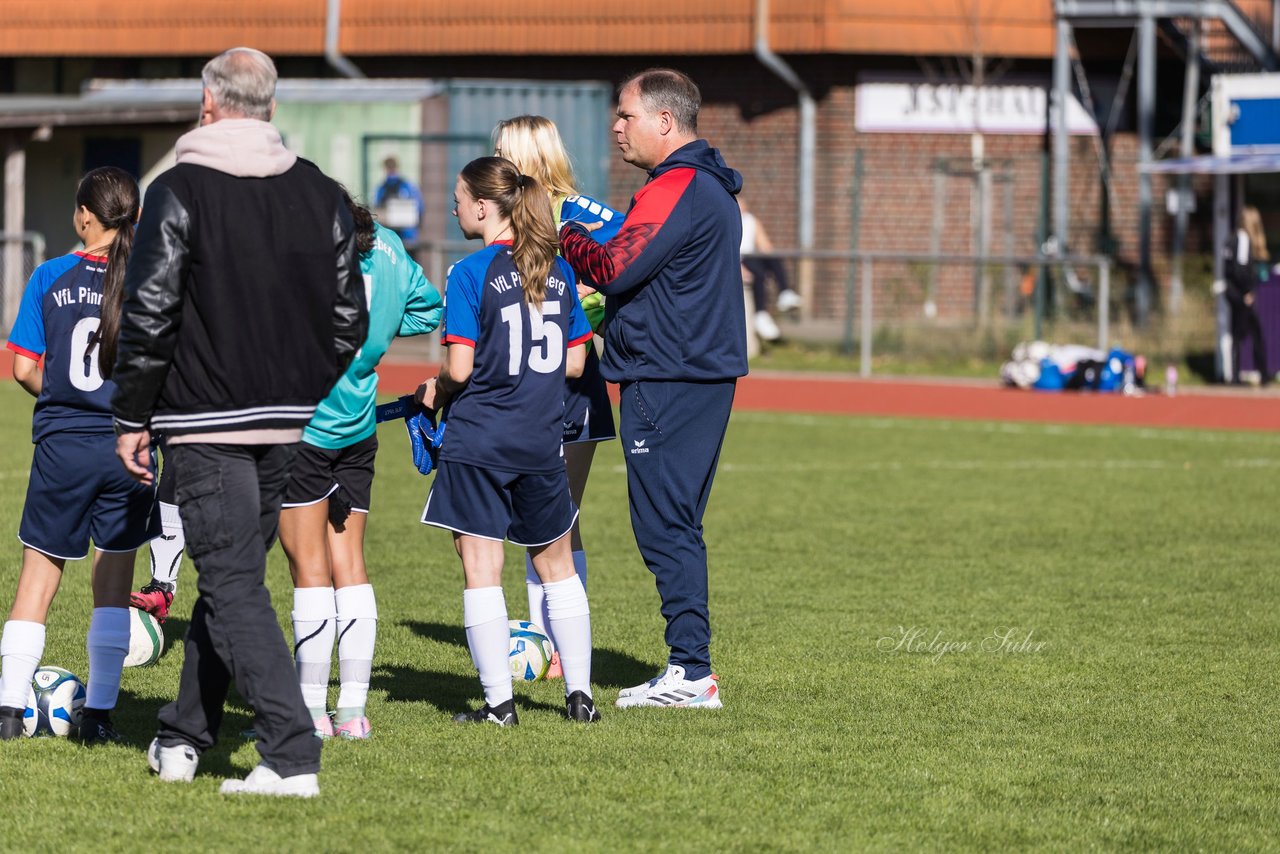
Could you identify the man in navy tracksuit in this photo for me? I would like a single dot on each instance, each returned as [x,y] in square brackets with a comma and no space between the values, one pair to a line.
[675,339]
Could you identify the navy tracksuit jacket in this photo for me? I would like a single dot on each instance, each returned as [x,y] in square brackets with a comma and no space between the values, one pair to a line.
[675,339]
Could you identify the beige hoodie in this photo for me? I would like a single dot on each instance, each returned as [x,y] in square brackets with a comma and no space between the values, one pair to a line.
[244,148]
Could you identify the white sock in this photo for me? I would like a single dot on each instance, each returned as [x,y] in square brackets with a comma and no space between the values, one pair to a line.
[314,628]
[21,645]
[533,588]
[357,634]
[484,616]
[570,626]
[166,550]
[108,644]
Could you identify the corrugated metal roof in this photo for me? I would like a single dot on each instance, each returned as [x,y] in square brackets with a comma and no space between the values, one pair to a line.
[516,27]
[164,101]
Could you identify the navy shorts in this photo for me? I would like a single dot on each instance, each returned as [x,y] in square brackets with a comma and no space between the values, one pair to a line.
[319,472]
[530,510]
[79,491]
[588,414]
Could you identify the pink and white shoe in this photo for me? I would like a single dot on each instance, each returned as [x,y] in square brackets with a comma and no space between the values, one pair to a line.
[356,729]
[554,670]
[672,691]
[324,727]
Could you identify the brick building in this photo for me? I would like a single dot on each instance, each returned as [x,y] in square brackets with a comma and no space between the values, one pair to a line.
[912,190]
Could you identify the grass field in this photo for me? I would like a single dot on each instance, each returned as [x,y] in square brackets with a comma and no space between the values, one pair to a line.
[864,573]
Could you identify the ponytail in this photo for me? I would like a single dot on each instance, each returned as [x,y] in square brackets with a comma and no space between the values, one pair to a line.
[526,204]
[113,298]
[111,195]
[536,242]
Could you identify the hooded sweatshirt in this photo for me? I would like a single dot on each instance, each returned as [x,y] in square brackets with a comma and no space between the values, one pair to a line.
[243,295]
[672,275]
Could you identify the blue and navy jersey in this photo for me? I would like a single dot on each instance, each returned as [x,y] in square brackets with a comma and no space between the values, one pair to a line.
[60,312]
[510,414]
[584,209]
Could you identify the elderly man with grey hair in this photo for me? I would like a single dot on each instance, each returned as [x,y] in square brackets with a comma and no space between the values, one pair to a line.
[243,304]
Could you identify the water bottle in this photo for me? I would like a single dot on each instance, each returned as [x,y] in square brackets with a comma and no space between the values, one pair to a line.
[1171,381]
[1130,387]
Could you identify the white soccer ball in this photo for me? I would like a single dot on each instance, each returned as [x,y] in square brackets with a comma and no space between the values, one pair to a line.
[146,639]
[530,653]
[54,703]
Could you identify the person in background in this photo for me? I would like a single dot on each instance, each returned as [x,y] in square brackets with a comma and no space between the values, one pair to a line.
[326,506]
[244,303]
[676,339]
[1245,256]
[399,202]
[533,144]
[77,492]
[760,270]
[514,329]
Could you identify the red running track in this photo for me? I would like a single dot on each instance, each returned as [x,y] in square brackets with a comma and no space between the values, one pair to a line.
[1210,408]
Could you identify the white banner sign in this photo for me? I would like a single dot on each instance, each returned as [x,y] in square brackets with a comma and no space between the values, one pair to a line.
[923,107]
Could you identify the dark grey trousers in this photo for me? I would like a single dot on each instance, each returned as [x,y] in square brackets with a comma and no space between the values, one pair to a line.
[229,497]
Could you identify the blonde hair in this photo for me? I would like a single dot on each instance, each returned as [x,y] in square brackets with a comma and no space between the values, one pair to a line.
[1251,220]
[522,200]
[533,144]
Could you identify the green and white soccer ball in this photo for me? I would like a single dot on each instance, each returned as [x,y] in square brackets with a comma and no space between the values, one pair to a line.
[54,703]
[530,653]
[146,639]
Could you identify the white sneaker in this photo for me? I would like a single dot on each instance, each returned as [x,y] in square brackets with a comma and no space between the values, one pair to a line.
[672,690]
[766,328]
[263,781]
[174,764]
[789,300]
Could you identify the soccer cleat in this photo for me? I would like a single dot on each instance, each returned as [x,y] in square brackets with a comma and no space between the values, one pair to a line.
[324,727]
[175,764]
[579,707]
[155,599]
[97,729]
[504,714]
[672,690]
[554,670]
[789,300]
[766,328]
[263,781]
[11,722]
[356,729]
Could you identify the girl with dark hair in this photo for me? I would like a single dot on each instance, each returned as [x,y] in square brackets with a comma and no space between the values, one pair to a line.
[78,491]
[514,329]
[326,504]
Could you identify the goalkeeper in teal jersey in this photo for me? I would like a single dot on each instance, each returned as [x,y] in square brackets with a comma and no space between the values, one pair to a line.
[322,521]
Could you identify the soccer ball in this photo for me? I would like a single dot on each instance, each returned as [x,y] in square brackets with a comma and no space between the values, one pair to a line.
[54,703]
[530,653]
[146,639]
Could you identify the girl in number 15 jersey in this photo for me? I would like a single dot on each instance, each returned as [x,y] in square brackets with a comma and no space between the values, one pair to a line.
[514,329]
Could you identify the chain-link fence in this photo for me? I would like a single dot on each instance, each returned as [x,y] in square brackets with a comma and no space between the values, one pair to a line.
[20,254]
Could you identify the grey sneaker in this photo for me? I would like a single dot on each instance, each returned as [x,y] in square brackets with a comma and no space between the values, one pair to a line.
[175,764]
[263,781]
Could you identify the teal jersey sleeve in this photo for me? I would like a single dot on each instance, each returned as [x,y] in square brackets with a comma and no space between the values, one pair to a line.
[402,302]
